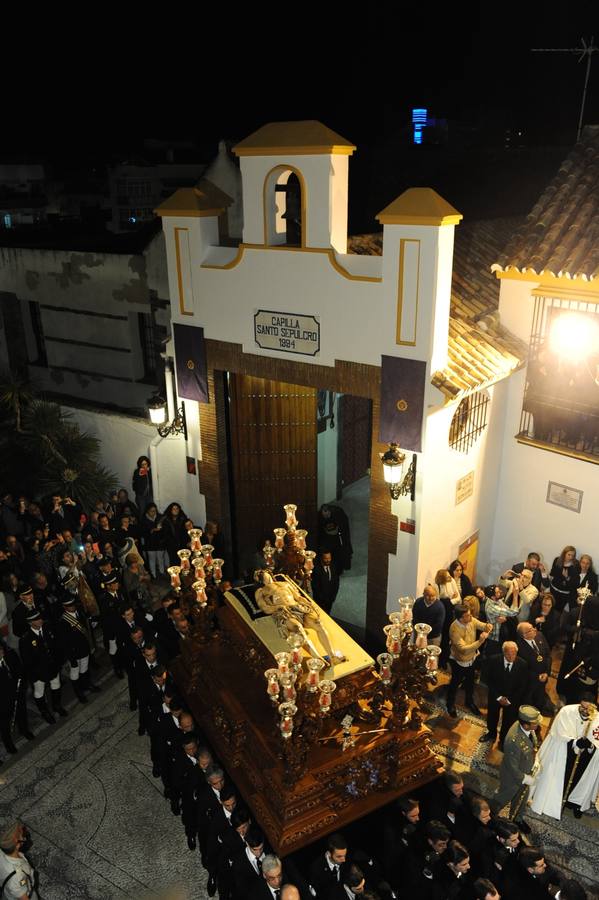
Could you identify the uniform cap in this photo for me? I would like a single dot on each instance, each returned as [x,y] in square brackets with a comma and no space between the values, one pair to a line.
[33,615]
[528,714]
[112,578]
[25,590]
[69,601]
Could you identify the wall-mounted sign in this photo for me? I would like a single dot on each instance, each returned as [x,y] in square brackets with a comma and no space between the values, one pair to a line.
[464,488]
[287,332]
[567,497]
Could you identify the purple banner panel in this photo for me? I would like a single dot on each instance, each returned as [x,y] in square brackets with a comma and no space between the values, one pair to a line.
[402,402]
[190,356]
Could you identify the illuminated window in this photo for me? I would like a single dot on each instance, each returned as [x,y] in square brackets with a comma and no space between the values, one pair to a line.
[561,398]
[469,422]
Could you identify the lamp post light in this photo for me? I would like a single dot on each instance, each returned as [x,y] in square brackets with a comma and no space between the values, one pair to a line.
[157,410]
[393,460]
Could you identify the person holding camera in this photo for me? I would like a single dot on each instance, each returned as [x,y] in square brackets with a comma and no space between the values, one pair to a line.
[142,484]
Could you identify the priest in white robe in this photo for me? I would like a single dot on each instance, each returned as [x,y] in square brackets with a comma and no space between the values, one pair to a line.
[572,740]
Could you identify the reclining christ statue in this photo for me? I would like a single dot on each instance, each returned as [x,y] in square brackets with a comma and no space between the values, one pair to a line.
[294,611]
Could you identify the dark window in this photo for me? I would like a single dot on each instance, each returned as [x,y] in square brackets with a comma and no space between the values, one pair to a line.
[469,422]
[561,399]
[38,333]
[149,344]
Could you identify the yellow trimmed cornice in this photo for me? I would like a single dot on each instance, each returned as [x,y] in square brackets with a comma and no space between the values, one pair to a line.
[328,251]
[419,206]
[306,138]
[203,200]
[552,285]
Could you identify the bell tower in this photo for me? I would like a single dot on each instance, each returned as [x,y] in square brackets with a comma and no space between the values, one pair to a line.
[295,182]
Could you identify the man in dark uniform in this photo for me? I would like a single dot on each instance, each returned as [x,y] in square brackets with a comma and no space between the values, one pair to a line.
[41,660]
[325,581]
[517,765]
[74,638]
[20,625]
[536,653]
[109,602]
[13,697]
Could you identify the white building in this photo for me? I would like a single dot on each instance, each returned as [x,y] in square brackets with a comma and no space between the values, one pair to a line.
[289,312]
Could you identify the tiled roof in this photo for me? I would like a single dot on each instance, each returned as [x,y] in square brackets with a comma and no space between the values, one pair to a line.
[560,236]
[480,350]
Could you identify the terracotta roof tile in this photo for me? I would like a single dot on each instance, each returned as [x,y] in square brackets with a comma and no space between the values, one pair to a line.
[480,351]
[560,235]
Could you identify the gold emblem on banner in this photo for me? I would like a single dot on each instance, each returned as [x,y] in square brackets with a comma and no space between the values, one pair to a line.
[191,364]
[402,405]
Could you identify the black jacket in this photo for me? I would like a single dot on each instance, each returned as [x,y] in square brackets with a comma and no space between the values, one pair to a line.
[503,684]
[40,654]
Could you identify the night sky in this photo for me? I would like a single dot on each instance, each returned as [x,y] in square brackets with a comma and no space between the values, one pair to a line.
[114,81]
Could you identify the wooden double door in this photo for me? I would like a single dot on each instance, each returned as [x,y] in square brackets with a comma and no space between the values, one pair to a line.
[273,449]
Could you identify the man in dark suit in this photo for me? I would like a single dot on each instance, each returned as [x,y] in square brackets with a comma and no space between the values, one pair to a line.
[536,653]
[246,867]
[325,581]
[13,702]
[269,888]
[507,681]
[325,872]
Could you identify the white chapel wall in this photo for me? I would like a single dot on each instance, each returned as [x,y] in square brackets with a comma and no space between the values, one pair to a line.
[524,519]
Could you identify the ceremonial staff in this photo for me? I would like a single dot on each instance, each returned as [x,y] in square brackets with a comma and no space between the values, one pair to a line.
[583,593]
[592,712]
[14,712]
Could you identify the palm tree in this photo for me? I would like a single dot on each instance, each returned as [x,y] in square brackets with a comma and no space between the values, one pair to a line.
[16,392]
[69,457]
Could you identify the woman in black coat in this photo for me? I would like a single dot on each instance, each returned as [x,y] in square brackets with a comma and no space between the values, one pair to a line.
[564,578]
[456,570]
[545,617]
[587,577]
[175,533]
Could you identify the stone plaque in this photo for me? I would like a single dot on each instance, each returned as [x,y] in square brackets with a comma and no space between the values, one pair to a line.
[287,332]
[567,497]
[464,488]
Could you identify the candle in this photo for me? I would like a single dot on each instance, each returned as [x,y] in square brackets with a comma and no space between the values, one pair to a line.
[207,551]
[287,711]
[174,572]
[393,633]
[195,536]
[282,659]
[279,537]
[272,684]
[300,538]
[432,658]
[385,661]
[326,689]
[290,518]
[309,560]
[217,570]
[286,681]
[296,643]
[422,630]
[184,557]
[314,667]
[199,587]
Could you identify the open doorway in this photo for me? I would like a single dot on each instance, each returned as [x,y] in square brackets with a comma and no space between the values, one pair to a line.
[289,443]
[343,465]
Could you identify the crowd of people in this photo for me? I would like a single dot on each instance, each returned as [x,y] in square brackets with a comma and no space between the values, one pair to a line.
[74,580]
